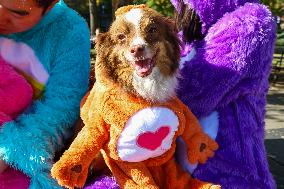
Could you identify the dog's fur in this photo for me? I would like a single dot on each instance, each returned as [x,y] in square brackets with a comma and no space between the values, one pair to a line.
[157,34]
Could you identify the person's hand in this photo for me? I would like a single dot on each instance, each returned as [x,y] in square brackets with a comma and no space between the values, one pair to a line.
[3,166]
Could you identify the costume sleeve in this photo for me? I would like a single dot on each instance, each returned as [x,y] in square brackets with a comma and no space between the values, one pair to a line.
[230,62]
[72,168]
[200,145]
[29,142]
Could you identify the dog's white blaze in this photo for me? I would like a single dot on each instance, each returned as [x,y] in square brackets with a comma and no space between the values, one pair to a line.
[138,40]
[155,87]
[134,16]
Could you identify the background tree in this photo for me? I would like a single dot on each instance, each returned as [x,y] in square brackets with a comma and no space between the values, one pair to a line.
[163,6]
[277,9]
[96,12]
[81,6]
[99,13]
[119,3]
[93,16]
[276,6]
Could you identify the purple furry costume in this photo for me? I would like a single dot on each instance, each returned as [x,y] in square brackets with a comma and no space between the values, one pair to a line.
[229,74]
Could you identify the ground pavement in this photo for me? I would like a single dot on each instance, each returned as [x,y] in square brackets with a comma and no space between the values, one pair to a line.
[275,131]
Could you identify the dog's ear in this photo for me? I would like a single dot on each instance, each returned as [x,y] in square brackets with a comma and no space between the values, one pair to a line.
[103,43]
[172,36]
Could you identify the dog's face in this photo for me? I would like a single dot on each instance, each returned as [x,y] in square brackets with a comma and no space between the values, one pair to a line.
[141,53]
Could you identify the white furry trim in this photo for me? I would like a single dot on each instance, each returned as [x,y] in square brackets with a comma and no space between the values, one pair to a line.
[210,124]
[155,87]
[187,58]
[21,56]
[147,121]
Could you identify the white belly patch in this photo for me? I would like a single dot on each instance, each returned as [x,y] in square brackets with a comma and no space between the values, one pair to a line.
[147,134]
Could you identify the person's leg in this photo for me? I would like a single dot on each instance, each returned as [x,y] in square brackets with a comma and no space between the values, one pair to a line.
[13,179]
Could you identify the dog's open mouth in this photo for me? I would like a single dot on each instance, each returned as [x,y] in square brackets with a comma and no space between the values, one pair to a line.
[144,67]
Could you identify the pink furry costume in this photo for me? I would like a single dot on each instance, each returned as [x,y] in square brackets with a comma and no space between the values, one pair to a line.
[15,95]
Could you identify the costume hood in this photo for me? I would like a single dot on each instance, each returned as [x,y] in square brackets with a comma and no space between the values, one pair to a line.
[211,10]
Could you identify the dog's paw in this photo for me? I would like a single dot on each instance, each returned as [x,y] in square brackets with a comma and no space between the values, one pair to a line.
[200,148]
[68,175]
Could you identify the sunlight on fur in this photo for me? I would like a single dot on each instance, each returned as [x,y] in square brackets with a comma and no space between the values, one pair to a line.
[156,86]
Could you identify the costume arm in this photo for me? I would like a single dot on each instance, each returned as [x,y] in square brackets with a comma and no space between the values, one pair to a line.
[29,143]
[200,145]
[72,168]
[231,61]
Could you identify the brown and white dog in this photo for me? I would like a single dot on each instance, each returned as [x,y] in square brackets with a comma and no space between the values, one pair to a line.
[141,51]
[132,114]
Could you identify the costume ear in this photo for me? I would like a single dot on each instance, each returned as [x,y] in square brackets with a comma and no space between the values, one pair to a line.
[103,43]
[189,22]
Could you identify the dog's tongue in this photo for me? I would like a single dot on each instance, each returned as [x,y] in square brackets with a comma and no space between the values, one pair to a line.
[143,67]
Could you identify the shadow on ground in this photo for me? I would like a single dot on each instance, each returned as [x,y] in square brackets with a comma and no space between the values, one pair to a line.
[275,131]
[275,152]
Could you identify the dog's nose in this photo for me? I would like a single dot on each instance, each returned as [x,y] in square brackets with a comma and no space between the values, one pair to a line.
[137,50]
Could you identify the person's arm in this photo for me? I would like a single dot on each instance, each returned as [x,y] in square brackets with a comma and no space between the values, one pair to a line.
[231,61]
[29,142]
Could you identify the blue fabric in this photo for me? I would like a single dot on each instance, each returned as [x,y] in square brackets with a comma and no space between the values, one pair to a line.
[61,43]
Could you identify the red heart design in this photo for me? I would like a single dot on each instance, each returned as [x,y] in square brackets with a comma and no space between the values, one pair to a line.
[152,141]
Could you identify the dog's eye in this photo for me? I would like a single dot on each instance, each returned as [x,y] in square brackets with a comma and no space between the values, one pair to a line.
[121,36]
[152,29]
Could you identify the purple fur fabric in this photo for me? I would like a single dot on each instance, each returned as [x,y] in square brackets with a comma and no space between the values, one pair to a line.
[229,74]
[212,10]
[103,182]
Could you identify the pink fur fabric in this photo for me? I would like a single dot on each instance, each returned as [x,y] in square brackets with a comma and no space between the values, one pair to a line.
[15,96]
[13,179]
[15,92]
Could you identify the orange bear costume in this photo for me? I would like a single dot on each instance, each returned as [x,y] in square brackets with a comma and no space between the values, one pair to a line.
[136,138]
